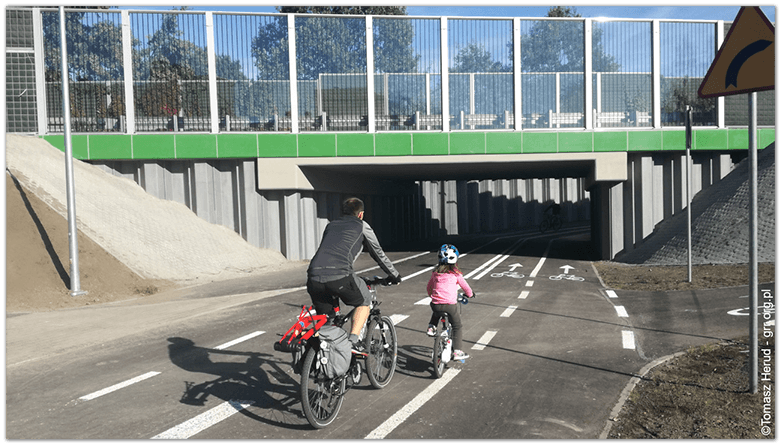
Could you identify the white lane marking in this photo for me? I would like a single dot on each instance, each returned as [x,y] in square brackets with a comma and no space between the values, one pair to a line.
[424,301]
[523,295]
[204,420]
[541,261]
[494,265]
[116,387]
[406,411]
[397,261]
[484,340]
[416,274]
[611,294]
[628,340]
[481,267]
[621,311]
[397,318]
[508,312]
[529,284]
[239,340]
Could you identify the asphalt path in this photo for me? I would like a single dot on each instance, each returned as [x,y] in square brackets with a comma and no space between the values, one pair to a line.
[551,350]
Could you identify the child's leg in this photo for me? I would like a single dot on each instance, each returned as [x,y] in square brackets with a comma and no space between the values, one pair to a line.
[457,325]
[435,316]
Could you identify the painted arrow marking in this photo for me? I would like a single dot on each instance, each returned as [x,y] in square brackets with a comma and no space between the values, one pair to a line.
[513,266]
[566,269]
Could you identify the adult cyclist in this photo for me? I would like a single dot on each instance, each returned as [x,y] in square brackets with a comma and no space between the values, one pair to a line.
[331,273]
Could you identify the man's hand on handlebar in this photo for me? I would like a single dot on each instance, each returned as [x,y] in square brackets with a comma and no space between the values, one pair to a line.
[394,280]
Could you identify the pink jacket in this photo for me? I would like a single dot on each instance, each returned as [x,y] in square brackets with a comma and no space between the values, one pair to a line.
[443,287]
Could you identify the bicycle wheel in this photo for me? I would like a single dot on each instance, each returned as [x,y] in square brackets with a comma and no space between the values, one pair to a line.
[321,396]
[557,223]
[544,226]
[438,347]
[382,351]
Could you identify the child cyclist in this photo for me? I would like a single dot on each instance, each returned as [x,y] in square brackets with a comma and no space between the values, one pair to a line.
[443,290]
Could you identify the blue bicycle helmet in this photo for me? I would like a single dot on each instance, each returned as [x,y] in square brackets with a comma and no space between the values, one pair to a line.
[448,254]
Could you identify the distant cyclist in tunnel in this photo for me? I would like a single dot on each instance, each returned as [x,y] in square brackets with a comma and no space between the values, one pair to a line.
[331,272]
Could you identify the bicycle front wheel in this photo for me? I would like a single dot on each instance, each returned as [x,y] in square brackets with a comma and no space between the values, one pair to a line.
[438,347]
[382,351]
[557,224]
[321,396]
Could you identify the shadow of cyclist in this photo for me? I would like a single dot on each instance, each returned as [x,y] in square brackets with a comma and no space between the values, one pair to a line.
[271,391]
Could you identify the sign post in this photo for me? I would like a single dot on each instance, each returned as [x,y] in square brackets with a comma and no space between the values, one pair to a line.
[689,187]
[745,63]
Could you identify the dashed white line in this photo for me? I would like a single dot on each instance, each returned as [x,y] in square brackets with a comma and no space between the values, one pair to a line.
[239,340]
[508,312]
[611,294]
[541,261]
[418,273]
[204,420]
[523,295]
[116,387]
[484,340]
[492,266]
[628,340]
[406,411]
[424,301]
[529,283]
[621,311]
[396,318]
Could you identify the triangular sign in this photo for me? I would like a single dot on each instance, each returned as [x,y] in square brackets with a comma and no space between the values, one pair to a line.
[745,61]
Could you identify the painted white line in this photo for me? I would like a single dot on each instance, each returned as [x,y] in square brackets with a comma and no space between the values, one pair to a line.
[611,294]
[621,311]
[406,411]
[628,340]
[494,265]
[397,261]
[529,283]
[239,340]
[416,274]
[523,295]
[116,387]
[482,266]
[484,340]
[508,312]
[204,420]
[541,261]
[397,318]
[424,301]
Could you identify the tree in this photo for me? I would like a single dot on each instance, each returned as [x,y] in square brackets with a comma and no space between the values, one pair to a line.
[334,45]
[559,46]
[476,58]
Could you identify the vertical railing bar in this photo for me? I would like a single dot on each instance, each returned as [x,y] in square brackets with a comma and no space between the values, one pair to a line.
[40,72]
[656,47]
[517,74]
[721,100]
[370,73]
[212,67]
[445,81]
[293,71]
[588,80]
[127,62]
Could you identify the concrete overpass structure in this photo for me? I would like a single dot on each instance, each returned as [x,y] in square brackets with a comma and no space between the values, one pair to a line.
[272,158]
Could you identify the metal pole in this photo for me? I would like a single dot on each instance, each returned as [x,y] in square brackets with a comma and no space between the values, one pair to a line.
[753,240]
[688,144]
[75,284]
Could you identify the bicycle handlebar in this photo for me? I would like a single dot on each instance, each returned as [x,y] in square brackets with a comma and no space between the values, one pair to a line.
[376,280]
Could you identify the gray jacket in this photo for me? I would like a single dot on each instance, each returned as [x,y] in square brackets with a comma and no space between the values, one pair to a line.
[342,242]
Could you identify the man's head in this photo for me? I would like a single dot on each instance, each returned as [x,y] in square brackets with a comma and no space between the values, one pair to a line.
[353,207]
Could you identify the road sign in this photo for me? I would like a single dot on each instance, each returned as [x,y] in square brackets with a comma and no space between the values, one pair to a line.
[745,61]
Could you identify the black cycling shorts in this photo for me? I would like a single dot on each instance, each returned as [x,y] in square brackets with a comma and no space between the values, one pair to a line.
[350,289]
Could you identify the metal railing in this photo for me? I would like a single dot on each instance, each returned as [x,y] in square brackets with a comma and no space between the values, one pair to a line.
[139,71]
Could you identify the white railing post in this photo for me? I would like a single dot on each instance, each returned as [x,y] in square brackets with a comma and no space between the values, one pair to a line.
[588,74]
[517,74]
[445,78]
[212,66]
[656,74]
[293,73]
[370,73]
[127,62]
[40,72]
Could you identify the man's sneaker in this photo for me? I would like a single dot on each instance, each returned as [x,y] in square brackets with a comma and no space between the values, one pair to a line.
[431,330]
[459,355]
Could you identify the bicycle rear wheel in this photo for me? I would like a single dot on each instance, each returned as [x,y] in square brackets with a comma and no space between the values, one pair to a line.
[321,396]
[544,226]
[438,347]
[557,223]
[382,351]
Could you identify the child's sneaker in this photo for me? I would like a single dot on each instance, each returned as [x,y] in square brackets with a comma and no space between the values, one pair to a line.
[459,355]
[431,330]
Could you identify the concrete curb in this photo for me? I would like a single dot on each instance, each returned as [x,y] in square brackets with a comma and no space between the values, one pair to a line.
[629,388]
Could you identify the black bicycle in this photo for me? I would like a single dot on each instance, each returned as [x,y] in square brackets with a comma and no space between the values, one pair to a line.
[442,344]
[322,396]
[551,222]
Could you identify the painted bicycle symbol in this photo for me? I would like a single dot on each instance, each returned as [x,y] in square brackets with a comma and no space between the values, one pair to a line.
[569,277]
[512,274]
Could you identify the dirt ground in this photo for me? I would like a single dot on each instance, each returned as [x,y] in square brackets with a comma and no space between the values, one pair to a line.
[700,394]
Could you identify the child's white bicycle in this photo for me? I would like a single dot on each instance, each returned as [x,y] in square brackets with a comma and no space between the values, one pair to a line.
[442,344]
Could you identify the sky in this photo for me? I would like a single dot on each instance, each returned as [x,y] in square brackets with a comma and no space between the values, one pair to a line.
[692,10]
